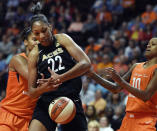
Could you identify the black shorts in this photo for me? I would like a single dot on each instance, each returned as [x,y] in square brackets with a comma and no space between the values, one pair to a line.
[79,122]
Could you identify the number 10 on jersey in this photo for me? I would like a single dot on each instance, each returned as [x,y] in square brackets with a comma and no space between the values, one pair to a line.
[136,82]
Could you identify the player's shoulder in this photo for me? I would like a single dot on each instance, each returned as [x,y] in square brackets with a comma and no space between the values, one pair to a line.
[135,64]
[15,59]
[62,37]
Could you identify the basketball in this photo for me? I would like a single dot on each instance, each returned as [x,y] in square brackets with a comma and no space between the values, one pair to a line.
[62,110]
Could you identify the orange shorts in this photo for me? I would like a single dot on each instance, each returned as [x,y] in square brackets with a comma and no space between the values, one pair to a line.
[138,122]
[11,122]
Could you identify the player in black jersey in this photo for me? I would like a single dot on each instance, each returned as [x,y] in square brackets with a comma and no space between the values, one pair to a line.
[68,61]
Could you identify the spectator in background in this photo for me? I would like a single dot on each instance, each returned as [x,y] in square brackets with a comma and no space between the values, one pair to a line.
[117,10]
[93,126]
[135,33]
[128,3]
[117,45]
[5,45]
[98,4]
[13,3]
[94,59]
[76,25]
[53,13]
[129,49]
[107,49]
[125,30]
[70,6]
[149,16]
[115,7]
[114,100]
[120,64]
[99,103]
[90,27]
[20,16]
[102,89]
[13,52]
[107,38]
[10,15]
[117,117]
[105,124]
[87,94]
[148,34]
[105,63]
[13,30]
[104,15]
[128,6]
[91,113]
[109,112]
[135,22]
[103,18]
[92,46]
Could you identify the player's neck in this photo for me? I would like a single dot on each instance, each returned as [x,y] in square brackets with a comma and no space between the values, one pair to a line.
[27,52]
[151,62]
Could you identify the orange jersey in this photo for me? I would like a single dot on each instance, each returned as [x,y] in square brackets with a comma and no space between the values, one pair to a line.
[140,79]
[16,101]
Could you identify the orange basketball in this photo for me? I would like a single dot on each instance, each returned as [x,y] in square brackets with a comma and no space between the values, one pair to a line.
[62,110]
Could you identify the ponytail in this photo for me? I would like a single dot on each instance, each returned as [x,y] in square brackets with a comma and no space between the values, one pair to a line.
[36,9]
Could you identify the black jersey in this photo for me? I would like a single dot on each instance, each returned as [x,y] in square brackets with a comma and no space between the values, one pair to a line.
[60,61]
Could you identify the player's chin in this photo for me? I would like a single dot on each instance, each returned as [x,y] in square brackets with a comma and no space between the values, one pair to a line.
[146,54]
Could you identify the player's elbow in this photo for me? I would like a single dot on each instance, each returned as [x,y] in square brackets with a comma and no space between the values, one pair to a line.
[86,64]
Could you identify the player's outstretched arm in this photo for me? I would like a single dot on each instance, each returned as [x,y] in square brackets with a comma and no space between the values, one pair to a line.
[111,86]
[141,94]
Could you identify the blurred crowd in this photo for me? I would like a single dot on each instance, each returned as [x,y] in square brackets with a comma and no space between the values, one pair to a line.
[111,33]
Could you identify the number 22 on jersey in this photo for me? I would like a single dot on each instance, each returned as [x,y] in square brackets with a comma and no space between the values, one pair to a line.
[53,61]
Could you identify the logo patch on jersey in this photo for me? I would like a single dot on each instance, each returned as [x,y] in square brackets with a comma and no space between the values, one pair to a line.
[141,75]
[52,54]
